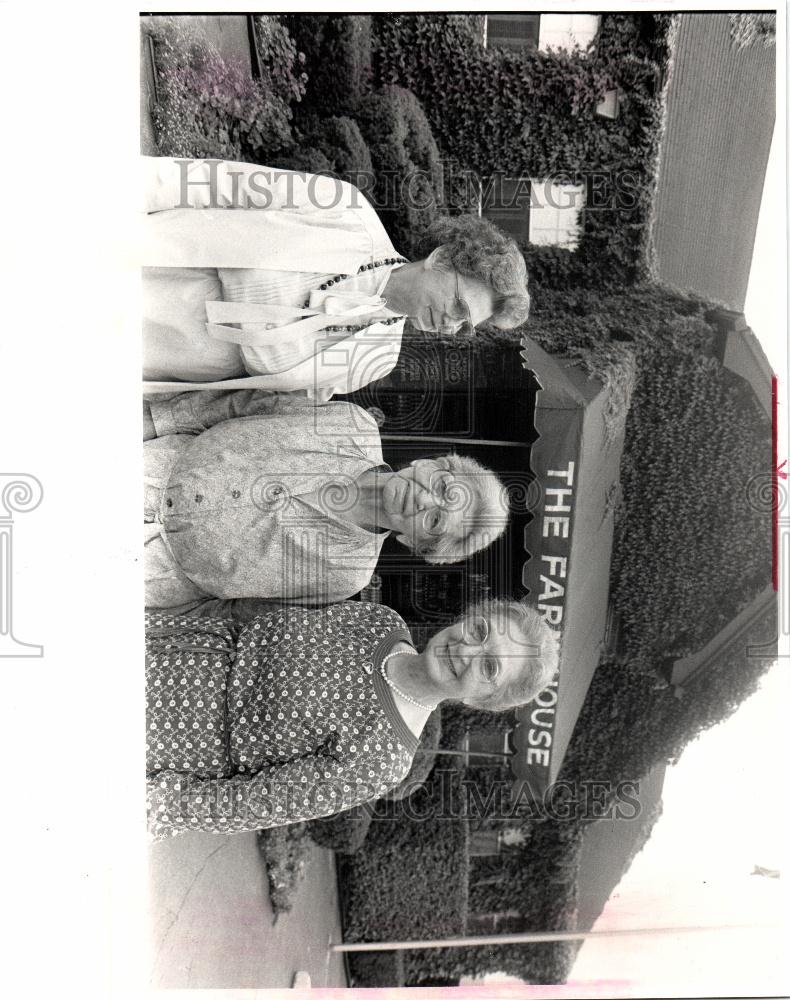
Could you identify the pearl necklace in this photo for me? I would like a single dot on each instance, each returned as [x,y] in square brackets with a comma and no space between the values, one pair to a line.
[365,267]
[395,688]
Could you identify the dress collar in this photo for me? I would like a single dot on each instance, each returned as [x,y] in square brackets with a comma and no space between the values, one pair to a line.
[384,692]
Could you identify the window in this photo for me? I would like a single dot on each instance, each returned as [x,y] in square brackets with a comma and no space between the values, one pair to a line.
[609,107]
[489,742]
[525,32]
[483,843]
[506,202]
[556,213]
[513,31]
[564,31]
[533,211]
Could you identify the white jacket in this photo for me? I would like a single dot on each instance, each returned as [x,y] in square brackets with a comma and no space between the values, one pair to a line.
[221,214]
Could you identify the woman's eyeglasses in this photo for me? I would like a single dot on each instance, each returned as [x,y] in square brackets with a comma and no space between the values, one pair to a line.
[447,495]
[475,629]
[461,315]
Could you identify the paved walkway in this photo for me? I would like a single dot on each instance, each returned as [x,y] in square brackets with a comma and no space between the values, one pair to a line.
[212,925]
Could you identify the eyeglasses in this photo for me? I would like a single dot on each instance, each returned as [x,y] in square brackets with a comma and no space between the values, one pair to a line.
[475,629]
[435,519]
[462,315]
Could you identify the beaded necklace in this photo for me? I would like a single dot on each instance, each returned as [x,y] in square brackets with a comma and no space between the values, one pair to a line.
[395,688]
[365,267]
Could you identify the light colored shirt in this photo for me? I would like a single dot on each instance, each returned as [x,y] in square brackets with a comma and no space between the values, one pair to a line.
[231,493]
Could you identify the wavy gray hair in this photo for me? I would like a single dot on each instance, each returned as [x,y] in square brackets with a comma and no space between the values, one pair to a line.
[477,248]
[487,517]
[541,661]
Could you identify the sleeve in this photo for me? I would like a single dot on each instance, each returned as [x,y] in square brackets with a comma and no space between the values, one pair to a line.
[307,788]
[240,610]
[163,628]
[170,182]
[193,412]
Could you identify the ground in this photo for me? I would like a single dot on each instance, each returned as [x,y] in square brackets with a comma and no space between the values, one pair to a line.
[211,922]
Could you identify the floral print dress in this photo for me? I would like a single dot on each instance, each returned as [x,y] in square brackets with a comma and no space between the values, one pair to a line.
[284,719]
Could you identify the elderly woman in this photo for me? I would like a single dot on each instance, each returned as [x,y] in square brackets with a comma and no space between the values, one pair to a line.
[266,495]
[304,713]
[260,278]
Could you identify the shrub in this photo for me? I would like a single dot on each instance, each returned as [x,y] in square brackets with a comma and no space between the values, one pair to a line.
[409,879]
[211,107]
[405,159]
[491,108]
[280,63]
[330,146]
[375,969]
[533,114]
[338,57]
[749,29]
[690,549]
[284,850]
[305,159]
[629,722]
[540,884]
[344,832]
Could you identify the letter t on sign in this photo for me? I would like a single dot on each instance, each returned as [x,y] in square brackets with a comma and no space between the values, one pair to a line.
[566,474]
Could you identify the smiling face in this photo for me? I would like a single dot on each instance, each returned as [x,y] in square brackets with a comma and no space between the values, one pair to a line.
[477,658]
[443,300]
[425,502]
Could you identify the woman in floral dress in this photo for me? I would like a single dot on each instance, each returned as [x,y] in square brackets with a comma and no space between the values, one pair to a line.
[303,713]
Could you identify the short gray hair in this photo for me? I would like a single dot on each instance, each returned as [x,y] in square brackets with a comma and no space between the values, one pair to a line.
[477,248]
[540,663]
[487,519]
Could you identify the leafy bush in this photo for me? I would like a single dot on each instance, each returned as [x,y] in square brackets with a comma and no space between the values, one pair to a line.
[344,832]
[629,722]
[280,63]
[305,159]
[338,57]
[409,879]
[376,969]
[491,108]
[547,901]
[533,114]
[406,882]
[209,106]
[285,850]
[749,29]
[690,549]
[405,158]
[330,146]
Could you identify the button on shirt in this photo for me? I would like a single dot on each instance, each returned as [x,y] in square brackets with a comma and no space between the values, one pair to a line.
[236,509]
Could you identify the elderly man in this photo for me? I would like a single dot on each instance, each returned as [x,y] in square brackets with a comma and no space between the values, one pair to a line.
[253,494]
